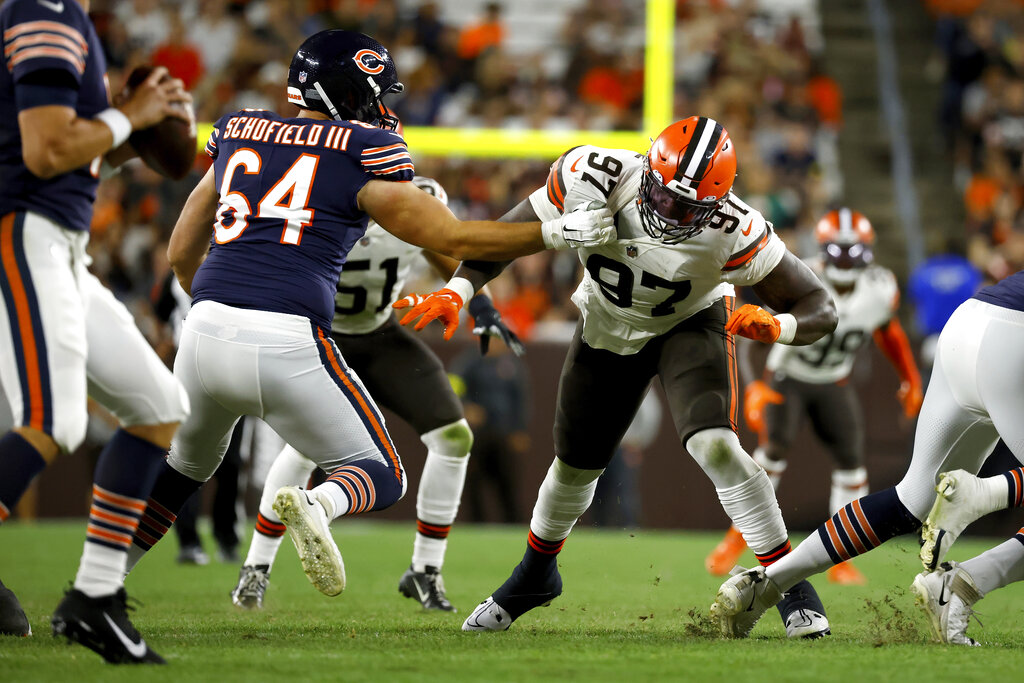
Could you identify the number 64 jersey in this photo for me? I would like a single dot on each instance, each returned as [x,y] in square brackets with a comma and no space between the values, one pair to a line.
[637,287]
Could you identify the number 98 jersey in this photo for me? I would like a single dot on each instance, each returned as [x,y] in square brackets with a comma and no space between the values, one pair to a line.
[375,273]
[868,306]
[636,287]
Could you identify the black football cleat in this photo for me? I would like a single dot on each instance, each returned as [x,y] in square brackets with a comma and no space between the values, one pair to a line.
[102,625]
[517,596]
[803,612]
[13,621]
[427,587]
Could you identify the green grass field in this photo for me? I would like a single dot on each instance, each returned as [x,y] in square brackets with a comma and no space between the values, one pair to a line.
[632,610]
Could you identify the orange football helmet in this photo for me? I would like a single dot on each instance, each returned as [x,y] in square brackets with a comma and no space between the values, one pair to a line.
[846,238]
[688,173]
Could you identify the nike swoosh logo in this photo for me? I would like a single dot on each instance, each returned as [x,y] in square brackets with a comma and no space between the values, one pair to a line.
[943,594]
[573,167]
[57,7]
[747,231]
[137,650]
[419,591]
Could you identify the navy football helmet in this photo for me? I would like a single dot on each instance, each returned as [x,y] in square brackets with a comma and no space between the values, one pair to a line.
[344,75]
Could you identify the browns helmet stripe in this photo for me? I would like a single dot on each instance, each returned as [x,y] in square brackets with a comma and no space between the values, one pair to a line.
[709,152]
[846,224]
[699,151]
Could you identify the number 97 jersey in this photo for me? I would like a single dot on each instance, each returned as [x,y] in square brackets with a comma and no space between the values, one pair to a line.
[636,287]
[375,273]
[868,306]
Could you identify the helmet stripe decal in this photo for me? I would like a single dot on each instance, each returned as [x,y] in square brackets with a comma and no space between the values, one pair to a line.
[691,148]
[845,224]
[705,160]
[695,160]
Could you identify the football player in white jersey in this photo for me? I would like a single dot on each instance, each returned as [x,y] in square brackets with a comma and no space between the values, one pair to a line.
[657,301]
[405,376]
[813,380]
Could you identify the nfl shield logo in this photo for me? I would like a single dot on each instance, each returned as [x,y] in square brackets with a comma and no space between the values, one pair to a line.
[302,77]
[631,251]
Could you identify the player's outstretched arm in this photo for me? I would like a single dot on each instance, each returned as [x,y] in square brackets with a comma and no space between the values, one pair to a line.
[893,342]
[470,277]
[807,312]
[416,217]
[54,140]
[190,240]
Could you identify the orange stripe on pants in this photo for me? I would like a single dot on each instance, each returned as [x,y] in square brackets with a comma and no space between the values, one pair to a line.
[23,314]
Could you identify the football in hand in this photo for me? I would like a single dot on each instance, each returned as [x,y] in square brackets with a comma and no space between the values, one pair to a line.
[169,147]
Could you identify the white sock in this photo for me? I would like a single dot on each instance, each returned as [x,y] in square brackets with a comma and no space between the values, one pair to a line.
[336,503]
[437,503]
[101,570]
[847,486]
[807,559]
[290,468]
[997,567]
[754,510]
[564,495]
[774,468]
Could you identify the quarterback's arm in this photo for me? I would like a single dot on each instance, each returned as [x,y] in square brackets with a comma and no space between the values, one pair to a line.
[418,218]
[190,240]
[55,140]
[792,288]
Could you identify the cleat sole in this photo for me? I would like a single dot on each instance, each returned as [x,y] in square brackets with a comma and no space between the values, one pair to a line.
[321,559]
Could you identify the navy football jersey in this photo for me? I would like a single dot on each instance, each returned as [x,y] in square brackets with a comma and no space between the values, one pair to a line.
[288,214]
[1007,293]
[39,36]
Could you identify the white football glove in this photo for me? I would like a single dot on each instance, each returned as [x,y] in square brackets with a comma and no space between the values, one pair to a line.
[582,227]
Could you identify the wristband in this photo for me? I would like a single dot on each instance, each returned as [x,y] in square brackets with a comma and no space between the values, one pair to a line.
[119,124]
[461,286]
[787,328]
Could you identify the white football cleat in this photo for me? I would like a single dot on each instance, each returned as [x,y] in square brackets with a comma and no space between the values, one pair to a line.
[807,623]
[962,499]
[488,616]
[947,596]
[742,600]
[305,517]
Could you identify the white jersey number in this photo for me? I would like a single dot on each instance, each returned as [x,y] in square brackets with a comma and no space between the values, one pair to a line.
[832,349]
[294,186]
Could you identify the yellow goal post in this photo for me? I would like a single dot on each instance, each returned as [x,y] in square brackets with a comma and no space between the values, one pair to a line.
[426,141]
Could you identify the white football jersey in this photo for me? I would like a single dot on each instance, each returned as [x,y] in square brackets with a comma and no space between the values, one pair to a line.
[637,287]
[869,305]
[374,274]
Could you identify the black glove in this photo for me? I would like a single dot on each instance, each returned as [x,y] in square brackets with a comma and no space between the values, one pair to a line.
[488,323]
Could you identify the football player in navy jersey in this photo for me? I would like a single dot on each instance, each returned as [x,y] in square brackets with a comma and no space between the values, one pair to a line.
[973,400]
[287,199]
[62,334]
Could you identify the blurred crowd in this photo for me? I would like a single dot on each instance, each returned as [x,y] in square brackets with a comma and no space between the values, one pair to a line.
[980,62]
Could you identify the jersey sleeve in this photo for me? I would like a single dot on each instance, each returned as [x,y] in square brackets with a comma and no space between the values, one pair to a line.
[755,252]
[431,187]
[37,37]
[384,155]
[581,175]
[211,143]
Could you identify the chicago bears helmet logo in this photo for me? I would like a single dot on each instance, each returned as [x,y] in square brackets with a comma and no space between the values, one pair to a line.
[369,61]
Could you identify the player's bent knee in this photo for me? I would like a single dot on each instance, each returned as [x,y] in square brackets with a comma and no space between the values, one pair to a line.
[454,440]
[44,443]
[719,453]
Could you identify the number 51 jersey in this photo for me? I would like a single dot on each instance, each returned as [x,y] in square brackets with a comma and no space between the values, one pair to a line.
[637,287]
[288,215]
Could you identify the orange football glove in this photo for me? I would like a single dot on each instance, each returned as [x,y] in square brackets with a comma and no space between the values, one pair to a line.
[444,305]
[755,323]
[911,396]
[756,396]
